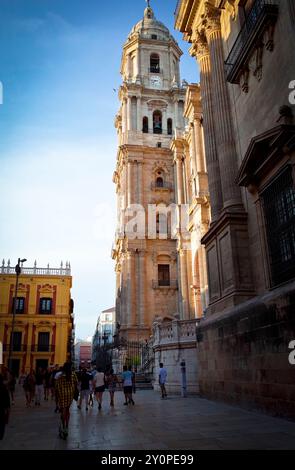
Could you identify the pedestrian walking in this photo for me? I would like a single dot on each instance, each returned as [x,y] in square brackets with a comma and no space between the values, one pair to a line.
[66,387]
[162,380]
[29,387]
[85,380]
[111,383]
[99,386]
[56,374]
[133,380]
[47,384]
[127,385]
[39,386]
[11,386]
[4,406]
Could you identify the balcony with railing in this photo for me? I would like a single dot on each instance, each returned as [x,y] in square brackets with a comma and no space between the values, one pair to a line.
[155,69]
[43,348]
[15,348]
[63,270]
[166,186]
[165,284]
[262,15]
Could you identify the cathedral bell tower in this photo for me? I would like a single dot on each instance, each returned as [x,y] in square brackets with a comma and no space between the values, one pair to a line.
[150,115]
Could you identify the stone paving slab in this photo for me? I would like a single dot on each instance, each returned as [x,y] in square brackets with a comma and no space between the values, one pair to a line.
[190,423]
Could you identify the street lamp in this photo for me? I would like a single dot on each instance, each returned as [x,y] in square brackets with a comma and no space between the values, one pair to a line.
[17,272]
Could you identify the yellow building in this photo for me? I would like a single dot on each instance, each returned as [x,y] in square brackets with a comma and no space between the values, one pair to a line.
[43,325]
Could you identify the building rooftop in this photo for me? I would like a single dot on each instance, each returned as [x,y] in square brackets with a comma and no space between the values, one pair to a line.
[63,270]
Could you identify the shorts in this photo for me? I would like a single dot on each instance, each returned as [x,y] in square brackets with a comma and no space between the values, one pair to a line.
[128,389]
[100,389]
[85,394]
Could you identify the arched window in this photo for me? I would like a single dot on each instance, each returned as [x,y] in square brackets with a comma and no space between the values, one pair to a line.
[159,182]
[154,63]
[169,126]
[157,122]
[145,125]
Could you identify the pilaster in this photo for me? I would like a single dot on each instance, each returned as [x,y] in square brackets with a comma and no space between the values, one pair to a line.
[201,51]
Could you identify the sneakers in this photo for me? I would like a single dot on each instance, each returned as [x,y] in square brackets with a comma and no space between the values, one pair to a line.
[125,403]
[99,406]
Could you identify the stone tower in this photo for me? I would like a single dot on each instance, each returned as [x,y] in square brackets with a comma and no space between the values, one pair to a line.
[151,114]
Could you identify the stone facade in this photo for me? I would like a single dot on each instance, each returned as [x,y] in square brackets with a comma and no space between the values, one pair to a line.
[162,164]
[192,190]
[246,63]
[152,103]
[43,328]
[174,342]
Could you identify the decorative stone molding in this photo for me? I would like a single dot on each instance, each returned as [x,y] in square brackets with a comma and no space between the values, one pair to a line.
[258,62]
[211,19]
[269,44]
[231,7]
[160,166]
[245,79]
[200,48]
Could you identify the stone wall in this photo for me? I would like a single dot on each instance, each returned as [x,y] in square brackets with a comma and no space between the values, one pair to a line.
[175,341]
[243,354]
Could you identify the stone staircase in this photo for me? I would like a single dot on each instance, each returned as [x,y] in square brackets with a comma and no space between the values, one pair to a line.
[143,382]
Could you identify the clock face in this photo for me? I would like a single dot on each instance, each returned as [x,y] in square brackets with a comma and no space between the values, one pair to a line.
[156,82]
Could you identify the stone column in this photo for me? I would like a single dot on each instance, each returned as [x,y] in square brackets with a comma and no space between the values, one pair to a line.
[171,67]
[124,116]
[164,121]
[141,285]
[130,282]
[193,153]
[179,178]
[150,118]
[187,177]
[129,65]
[201,51]
[139,183]
[176,120]
[125,183]
[129,116]
[136,65]
[124,282]
[118,291]
[222,112]
[199,147]
[129,183]
[184,284]
[139,116]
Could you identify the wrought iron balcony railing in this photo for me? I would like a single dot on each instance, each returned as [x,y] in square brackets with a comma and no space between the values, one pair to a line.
[43,348]
[15,347]
[262,14]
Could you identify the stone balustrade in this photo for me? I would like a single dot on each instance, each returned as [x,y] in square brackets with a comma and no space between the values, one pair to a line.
[175,341]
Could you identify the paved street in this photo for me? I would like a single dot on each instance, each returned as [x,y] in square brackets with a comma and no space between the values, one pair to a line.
[176,423]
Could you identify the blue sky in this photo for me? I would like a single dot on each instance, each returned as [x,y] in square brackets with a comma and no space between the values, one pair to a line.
[59,64]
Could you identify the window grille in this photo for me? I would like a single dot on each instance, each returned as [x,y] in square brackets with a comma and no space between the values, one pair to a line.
[279,211]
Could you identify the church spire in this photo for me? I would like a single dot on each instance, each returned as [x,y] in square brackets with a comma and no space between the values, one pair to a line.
[148,12]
